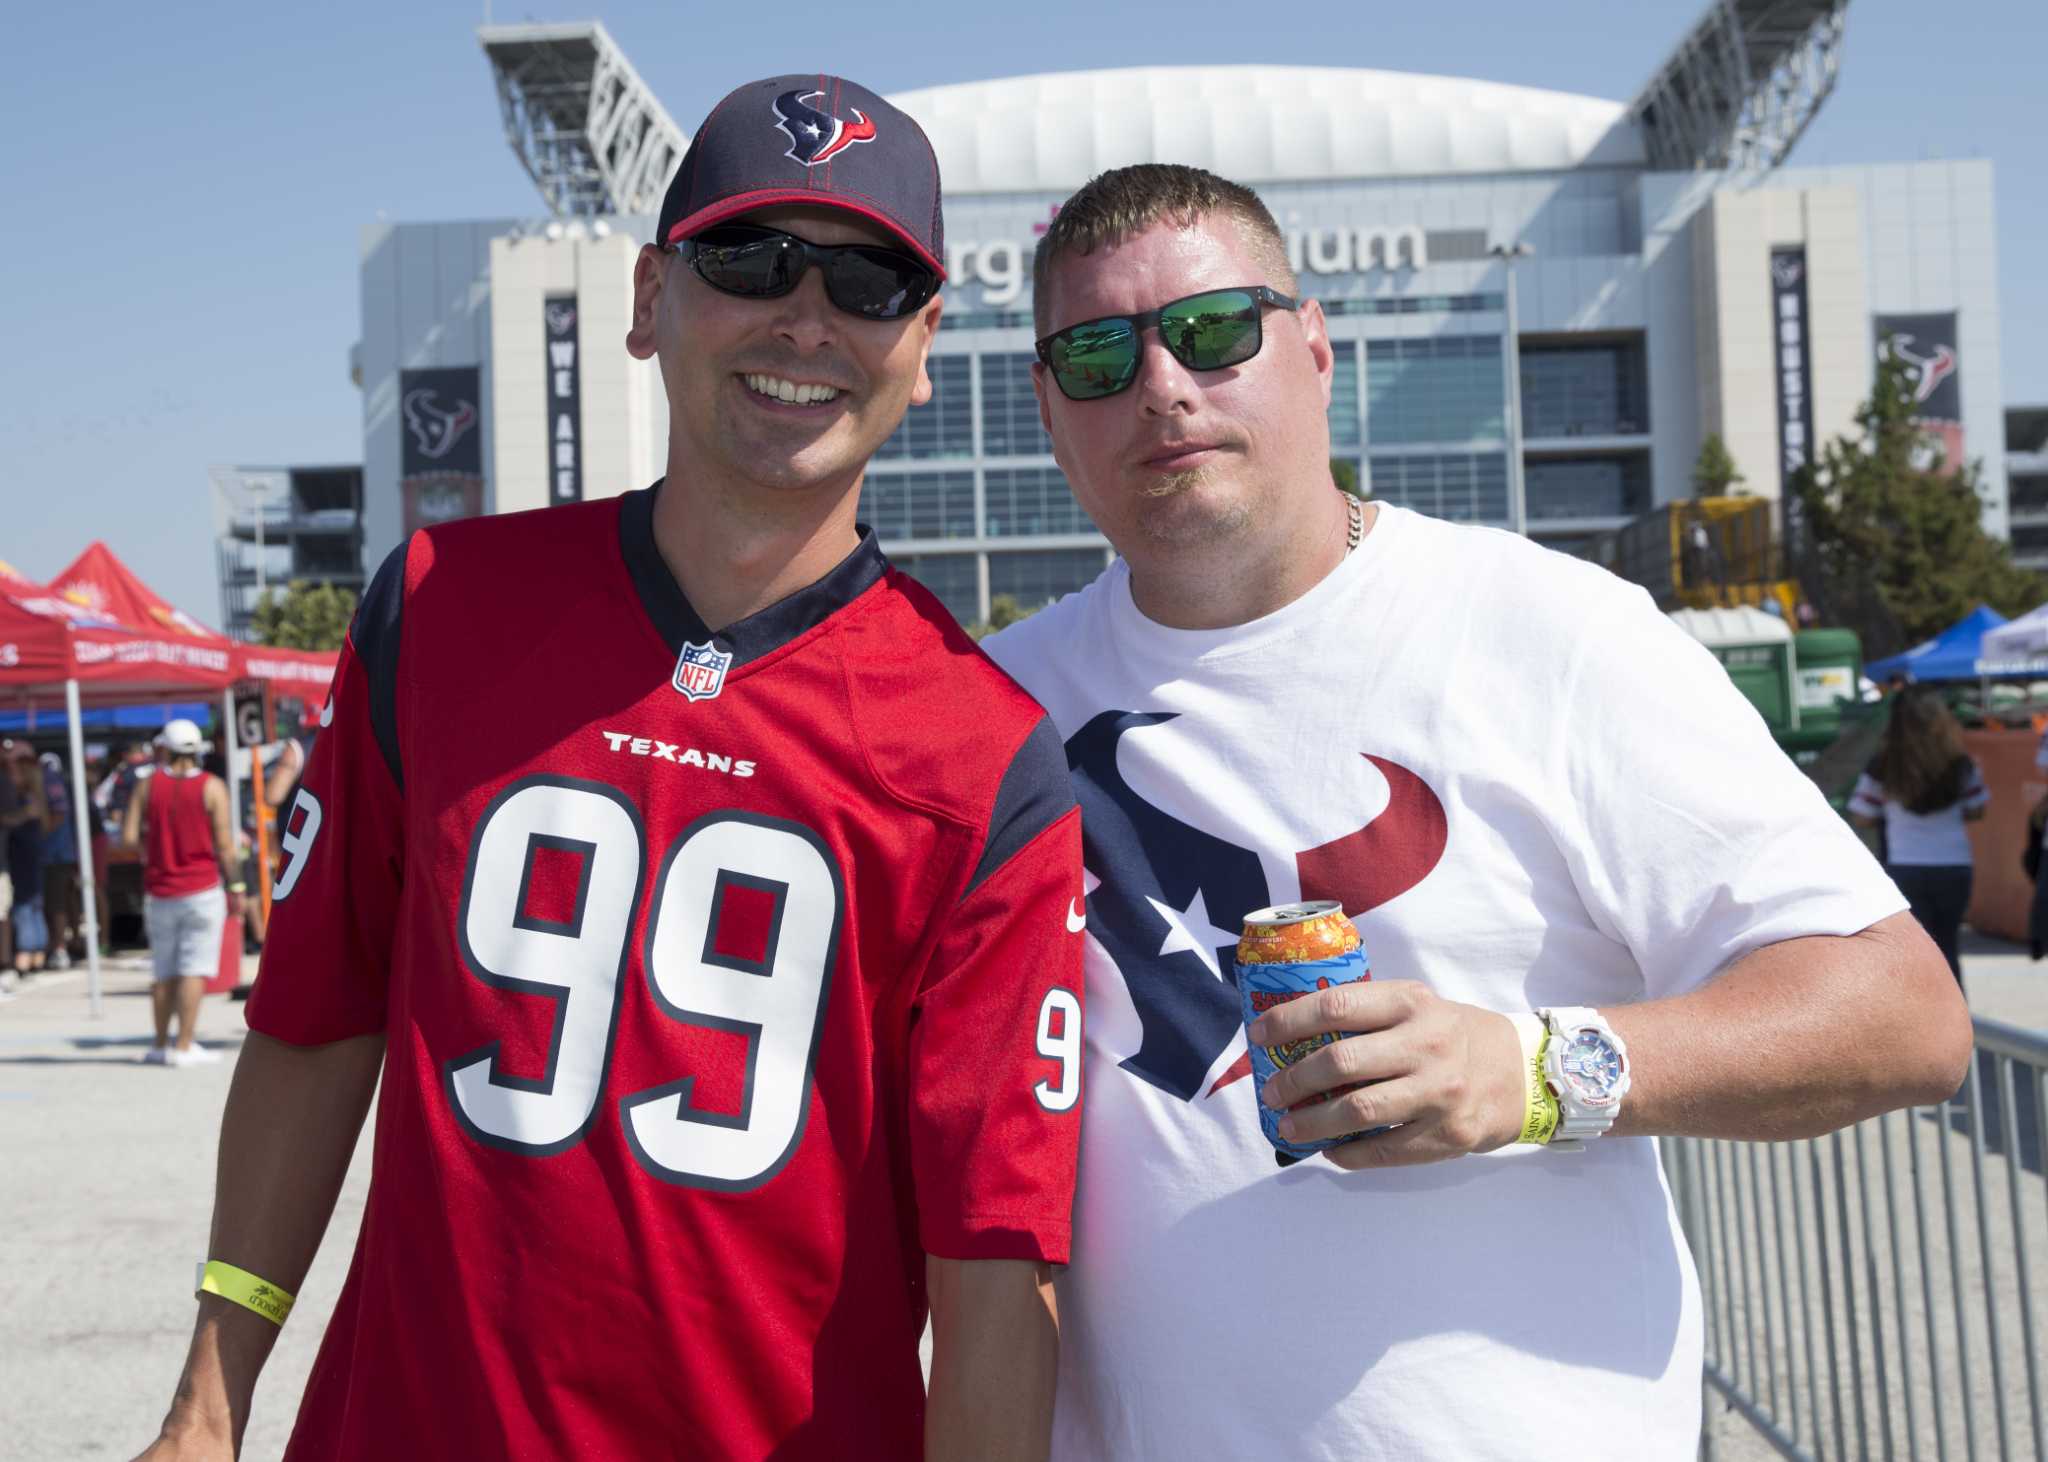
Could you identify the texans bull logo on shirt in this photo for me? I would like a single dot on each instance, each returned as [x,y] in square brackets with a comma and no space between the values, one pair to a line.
[1166,899]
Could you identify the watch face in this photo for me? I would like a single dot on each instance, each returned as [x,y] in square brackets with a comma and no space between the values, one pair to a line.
[1592,1066]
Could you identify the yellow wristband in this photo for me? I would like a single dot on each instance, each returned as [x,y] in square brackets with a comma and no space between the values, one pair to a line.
[1539,1103]
[245,1289]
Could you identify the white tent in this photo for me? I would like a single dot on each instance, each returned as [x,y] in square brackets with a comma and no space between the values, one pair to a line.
[2020,644]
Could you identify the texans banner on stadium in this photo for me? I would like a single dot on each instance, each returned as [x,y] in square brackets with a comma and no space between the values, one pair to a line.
[441,451]
[1927,346]
[1790,327]
[565,398]
[1794,360]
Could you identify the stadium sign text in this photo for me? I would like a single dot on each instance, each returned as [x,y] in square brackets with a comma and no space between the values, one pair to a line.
[1002,267]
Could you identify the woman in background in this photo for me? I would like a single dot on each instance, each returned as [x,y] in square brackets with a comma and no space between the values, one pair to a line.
[24,825]
[1923,787]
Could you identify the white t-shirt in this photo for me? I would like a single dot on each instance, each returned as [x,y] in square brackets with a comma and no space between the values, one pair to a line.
[1938,839]
[1529,789]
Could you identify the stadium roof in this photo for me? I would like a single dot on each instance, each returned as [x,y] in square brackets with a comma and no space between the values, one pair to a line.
[1258,124]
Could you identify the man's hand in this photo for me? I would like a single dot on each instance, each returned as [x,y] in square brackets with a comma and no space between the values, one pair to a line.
[181,1445]
[1447,1077]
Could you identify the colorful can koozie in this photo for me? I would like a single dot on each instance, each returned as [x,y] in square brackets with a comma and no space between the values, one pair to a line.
[1287,952]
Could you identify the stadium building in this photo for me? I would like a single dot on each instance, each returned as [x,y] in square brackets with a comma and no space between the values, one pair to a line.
[1542,304]
[277,526]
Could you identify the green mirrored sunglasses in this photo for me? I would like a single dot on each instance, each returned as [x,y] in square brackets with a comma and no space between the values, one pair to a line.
[1209,331]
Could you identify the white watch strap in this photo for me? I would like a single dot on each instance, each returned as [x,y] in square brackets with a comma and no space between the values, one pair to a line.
[1576,1122]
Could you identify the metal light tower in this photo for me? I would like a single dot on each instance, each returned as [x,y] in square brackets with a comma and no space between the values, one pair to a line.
[586,128]
[1741,88]
[1518,493]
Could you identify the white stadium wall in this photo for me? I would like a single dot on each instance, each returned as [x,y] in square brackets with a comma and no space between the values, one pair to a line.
[1739,336]
[622,435]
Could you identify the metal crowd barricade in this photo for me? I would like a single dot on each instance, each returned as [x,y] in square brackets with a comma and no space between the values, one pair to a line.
[1878,1292]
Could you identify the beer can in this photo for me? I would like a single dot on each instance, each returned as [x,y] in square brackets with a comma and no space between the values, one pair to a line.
[1286,952]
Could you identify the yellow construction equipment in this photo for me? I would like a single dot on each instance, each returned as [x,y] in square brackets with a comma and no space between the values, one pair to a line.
[1707,553]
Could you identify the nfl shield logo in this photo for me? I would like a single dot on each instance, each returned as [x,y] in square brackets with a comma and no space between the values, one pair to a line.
[700,671]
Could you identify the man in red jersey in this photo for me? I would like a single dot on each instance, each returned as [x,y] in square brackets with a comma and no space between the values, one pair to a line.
[707,904]
[179,818]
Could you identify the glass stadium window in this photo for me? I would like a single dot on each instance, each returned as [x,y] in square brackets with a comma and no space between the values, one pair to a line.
[952,576]
[2027,494]
[1039,577]
[1022,501]
[906,505]
[1009,408]
[984,319]
[1572,545]
[1588,487]
[1470,487]
[944,425]
[1444,388]
[1584,390]
[1344,395]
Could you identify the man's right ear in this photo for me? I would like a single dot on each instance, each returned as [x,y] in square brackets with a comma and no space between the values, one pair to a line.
[649,274]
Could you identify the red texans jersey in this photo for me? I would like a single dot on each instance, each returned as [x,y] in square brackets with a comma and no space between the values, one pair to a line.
[723,976]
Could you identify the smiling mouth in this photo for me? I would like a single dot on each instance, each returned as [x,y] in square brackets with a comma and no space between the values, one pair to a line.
[787,392]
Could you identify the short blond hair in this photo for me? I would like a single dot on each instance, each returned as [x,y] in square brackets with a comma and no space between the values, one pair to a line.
[1123,202]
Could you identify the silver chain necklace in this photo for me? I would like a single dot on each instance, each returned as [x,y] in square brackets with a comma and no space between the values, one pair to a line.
[1357,531]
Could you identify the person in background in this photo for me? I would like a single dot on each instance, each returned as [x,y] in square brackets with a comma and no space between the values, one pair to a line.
[2036,850]
[1920,789]
[60,862]
[95,772]
[281,765]
[137,763]
[179,818]
[24,827]
[9,799]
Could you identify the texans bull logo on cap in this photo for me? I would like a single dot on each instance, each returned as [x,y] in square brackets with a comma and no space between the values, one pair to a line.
[816,136]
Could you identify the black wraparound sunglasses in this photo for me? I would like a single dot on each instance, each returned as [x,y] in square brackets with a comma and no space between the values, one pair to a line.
[1209,331]
[762,263]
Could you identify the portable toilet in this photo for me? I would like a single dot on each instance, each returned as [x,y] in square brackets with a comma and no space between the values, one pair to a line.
[1829,664]
[1757,651]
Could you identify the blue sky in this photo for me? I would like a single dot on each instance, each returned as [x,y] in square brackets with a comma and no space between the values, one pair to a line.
[184,234]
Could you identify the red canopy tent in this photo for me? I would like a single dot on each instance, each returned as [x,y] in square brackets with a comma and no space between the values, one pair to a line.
[99,634]
[98,582]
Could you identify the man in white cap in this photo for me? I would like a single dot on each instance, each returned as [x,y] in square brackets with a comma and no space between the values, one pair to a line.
[179,818]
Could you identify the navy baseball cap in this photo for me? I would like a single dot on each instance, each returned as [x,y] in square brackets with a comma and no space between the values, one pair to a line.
[821,140]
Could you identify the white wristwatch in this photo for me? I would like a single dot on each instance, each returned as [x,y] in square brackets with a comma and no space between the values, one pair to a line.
[1586,1064]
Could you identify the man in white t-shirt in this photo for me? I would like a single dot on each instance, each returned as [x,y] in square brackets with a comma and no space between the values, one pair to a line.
[1530,791]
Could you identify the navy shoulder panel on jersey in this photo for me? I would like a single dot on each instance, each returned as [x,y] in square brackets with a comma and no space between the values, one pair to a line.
[1035,793]
[375,633]
[759,633]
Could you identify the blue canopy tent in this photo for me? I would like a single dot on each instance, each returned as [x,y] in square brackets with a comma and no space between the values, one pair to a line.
[107,718]
[1950,655]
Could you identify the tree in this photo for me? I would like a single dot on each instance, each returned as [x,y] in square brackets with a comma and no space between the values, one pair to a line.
[1345,475]
[1884,523]
[307,617]
[1714,472]
[1003,611]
